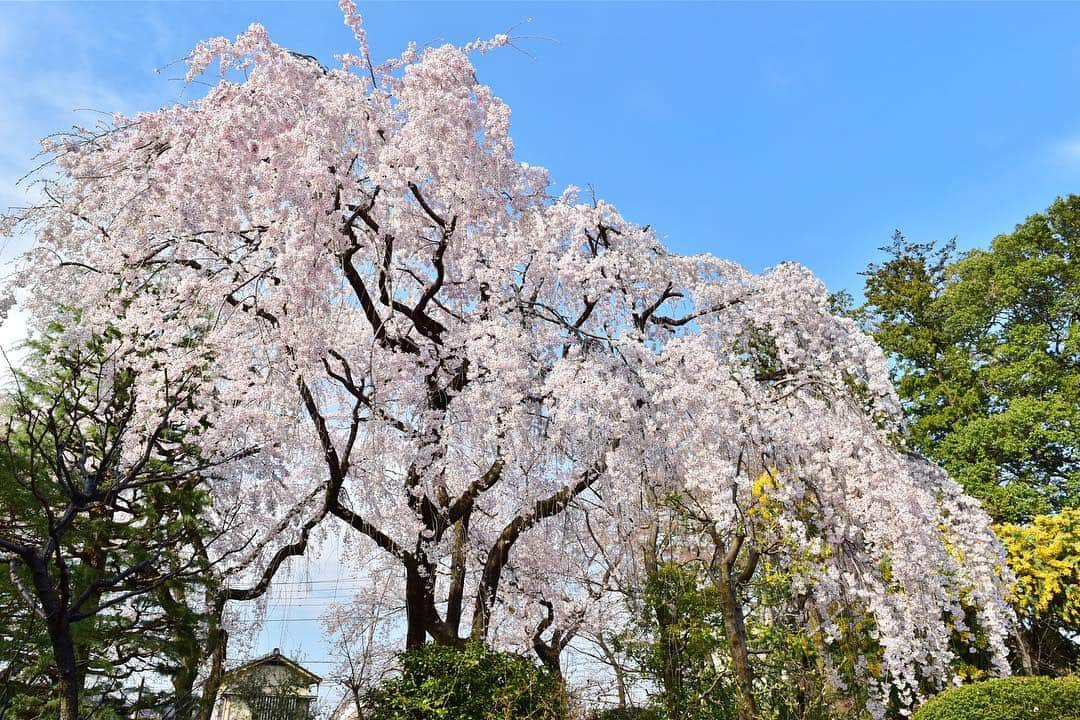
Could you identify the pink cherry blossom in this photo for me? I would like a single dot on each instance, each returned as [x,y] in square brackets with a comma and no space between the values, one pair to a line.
[420,339]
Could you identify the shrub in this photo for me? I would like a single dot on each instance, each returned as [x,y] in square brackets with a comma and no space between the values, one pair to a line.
[470,683]
[1018,698]
[630,713]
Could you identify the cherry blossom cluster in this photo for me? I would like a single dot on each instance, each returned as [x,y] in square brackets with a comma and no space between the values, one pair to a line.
[480,379]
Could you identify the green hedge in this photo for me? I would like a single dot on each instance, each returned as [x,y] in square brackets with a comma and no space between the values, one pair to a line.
[630,713]
[1017,698]
[470,683]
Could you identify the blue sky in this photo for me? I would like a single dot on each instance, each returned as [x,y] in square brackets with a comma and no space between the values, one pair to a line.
[758,132]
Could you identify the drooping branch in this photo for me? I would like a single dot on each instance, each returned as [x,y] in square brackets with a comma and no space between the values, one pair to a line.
[499,553]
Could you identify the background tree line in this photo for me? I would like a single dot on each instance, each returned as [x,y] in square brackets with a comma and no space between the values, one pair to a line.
[985,352]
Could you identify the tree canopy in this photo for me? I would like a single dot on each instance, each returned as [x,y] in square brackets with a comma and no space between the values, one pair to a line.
[985,347]
[490,384]
[96,514]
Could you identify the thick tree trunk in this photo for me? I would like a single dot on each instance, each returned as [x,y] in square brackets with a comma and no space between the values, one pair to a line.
[549,657]
[189,651]
[457,575]
[55,605]
[735,628]
[187,644]
[421,615]
[67,668]
[69,698]
[416,614]
[183,682]
[218,645]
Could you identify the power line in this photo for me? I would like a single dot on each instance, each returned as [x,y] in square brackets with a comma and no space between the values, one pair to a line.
[323,581]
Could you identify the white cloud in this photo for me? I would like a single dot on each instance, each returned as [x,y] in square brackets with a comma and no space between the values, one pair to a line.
[1067,151]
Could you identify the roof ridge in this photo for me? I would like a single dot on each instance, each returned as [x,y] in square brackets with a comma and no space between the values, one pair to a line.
[275,657]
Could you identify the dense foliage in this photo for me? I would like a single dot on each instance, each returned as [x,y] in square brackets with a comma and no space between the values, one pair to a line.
[1027,698]
[471,683]
[986,358]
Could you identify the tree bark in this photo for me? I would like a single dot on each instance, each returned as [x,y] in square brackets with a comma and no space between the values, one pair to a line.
[457,575]
[735,629]
[67,671]
[183,679]
[218,644]
[55,605]
[416,619]
[670,672]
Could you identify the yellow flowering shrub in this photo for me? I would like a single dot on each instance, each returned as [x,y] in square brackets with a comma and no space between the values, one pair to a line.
[1045,557]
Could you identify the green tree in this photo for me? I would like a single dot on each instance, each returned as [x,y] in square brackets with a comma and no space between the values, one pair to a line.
[985,348]
[985,351]
[96,510]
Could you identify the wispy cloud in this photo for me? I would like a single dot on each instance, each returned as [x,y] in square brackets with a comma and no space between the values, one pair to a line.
[1068,150]
[45,92]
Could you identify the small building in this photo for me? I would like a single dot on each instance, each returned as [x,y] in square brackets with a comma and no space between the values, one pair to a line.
[271,687]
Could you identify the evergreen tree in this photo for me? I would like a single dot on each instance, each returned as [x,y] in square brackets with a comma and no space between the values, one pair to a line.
[985,350]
